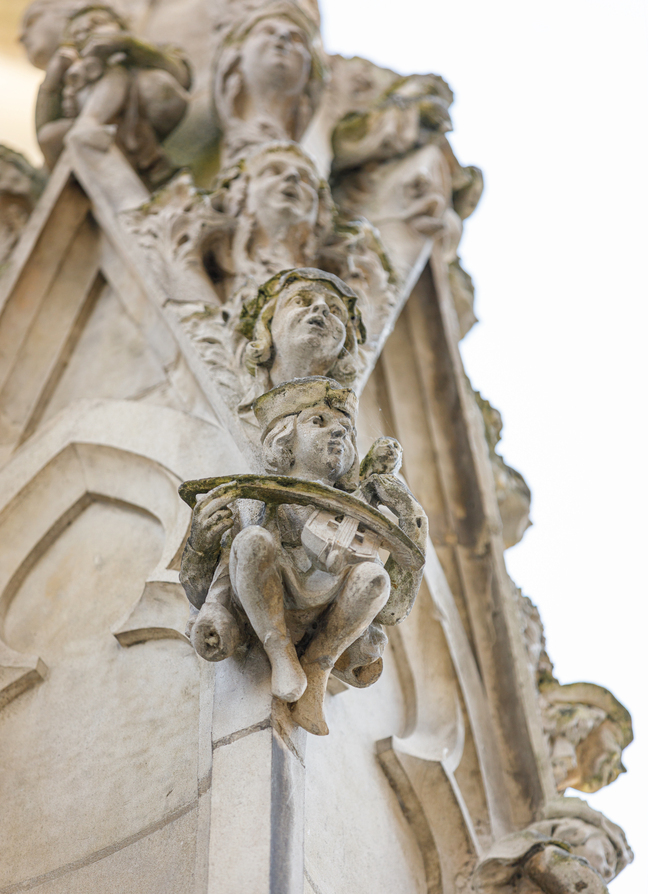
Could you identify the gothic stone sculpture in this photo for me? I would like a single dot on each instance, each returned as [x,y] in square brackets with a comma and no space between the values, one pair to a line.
[104,75]
[304,576]
[268,77]
[572,848]
[302,322]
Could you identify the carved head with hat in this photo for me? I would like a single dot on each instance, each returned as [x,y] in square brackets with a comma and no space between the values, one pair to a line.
[308,431]
[302,322]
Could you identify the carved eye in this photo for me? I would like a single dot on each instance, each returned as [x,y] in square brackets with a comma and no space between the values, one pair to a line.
[318,421]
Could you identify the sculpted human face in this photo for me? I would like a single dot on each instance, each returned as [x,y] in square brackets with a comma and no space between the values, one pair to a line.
[599,757]
[309,327]
[387,457]
[275,54]
[283,189]
[41,33]
[412,189]
[324,448]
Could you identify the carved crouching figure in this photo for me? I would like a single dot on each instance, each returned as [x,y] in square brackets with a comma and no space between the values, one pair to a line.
[307,581]
[102,74]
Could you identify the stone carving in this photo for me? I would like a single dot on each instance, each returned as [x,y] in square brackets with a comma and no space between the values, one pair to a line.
[99,72]
[393,164]
[20,186]
[513,494]
[303,573]
[587,729]
[268,75]
[573,848]
[301,323]
[269,212]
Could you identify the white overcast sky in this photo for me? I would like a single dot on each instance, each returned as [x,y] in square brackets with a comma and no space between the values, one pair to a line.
[551,102]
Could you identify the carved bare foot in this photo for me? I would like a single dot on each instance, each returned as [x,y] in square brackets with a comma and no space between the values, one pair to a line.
[309,710]
[288,679]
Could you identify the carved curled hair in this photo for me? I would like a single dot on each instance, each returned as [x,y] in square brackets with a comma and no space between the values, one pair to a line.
[256,319]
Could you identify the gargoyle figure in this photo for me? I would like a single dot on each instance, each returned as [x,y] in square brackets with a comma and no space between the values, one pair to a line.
[103,75]
[268,77]
[586,727]
[575,848]
[304,576]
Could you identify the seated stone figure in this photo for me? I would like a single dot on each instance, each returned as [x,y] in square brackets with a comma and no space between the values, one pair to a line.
[309,594]
[104,75]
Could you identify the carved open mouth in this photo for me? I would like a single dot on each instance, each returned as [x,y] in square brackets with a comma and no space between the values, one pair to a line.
[318,322]
[290,192]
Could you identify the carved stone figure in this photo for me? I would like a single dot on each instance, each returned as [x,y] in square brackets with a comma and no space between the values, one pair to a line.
[268,76]
[586,727]
[574,848]
[588,730]
[302,322]
[305,575]
[20,186]
[513,494]
[393,164]
[102,74]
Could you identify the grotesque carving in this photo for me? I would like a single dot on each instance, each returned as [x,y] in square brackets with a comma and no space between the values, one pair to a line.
[513,494]
[101,73]
[268,76]
[393,164]
[586,727]
[20,186]
[587,730]
[269,212]
[573,848]
[304,575]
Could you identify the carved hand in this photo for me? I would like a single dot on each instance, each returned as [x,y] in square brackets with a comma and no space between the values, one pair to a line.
[211,519]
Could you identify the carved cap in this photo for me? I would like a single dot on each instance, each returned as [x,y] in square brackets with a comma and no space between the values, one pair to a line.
[273,287]
[300,394]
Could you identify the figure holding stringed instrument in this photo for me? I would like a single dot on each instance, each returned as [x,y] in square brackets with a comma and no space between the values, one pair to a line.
[304,572]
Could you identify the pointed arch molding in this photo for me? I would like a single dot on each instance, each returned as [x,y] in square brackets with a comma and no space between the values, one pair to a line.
[131,453]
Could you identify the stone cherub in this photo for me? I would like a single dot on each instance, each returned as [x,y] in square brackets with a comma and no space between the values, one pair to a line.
[268,77]
[104,75]
[304,575]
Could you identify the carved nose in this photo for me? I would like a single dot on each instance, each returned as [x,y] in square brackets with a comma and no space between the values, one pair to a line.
[320,307]
[291,177]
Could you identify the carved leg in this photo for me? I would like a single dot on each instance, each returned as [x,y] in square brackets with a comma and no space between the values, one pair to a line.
[259,587]
[362,597]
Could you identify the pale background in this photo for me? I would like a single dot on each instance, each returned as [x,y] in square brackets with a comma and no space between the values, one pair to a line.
[551,102]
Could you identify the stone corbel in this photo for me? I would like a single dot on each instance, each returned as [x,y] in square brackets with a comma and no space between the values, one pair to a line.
[160,613]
